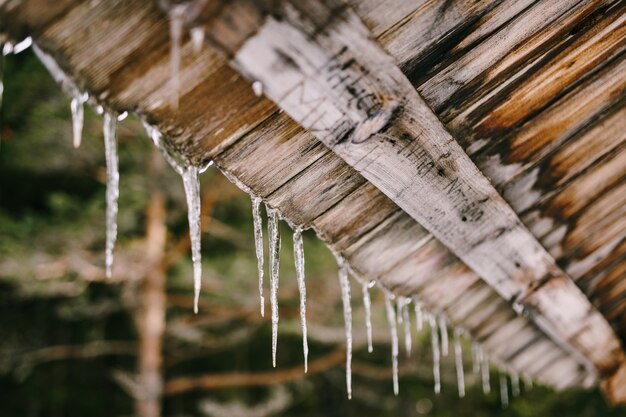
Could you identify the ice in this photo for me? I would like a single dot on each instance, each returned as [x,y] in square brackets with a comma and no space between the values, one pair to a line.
[77,107]
[176,163]
[443,326]
[177,19]
[347,317]
[419,317]
[406,320]
[391,319]
[258,246]
[485,372]
[7,48]
[298,252]
[78,98]
[192,194]
[476,357]
[515,388]
[113,186]
[1,85]
[274,250]
[434,340]
[23,45]
[191,183]
[197,38]
[528,383]
[367,305]
[458,360]
[504,390]
[399,307]
[257,87]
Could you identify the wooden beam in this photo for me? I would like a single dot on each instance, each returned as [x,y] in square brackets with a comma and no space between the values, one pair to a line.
[318,63]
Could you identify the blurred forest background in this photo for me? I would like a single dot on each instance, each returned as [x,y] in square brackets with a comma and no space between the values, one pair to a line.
[73,343]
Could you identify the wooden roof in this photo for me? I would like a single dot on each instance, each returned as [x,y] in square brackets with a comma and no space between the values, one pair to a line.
[530,93]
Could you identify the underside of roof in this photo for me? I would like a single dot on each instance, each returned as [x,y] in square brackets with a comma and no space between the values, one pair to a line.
[469,153]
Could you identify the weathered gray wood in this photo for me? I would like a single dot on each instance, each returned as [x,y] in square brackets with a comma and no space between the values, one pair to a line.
[319,64]
[218,108]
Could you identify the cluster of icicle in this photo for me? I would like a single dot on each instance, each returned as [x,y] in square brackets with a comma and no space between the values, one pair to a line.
[188,171]
[397,315]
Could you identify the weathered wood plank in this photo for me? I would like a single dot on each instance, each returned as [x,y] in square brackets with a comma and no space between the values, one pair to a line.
[367,112]
[544,133]
[567,161]
[198,134]
[596,46]
[475,99]
[293,149]
[441,87]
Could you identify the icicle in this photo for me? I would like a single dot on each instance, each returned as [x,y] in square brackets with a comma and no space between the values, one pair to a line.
[485,373]
[528,383]
[192,193]
[515,388]
[434,340]
[7,48]
[367,305]
[1,87]
[157,139]
[258,246]
[504,390]
[443,326]
[399,307]
[419,317]
[391,319]
[475,357]
[78,97]
[177,15]
[274,249]
[458,359]
[197,38]
[257,87]
[347,317]
[77,106]
[113,182]
[407,326]
[23,45]
[189,174]
[298,252]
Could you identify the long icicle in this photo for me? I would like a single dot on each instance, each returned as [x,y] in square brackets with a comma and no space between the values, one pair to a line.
[443,326]
[485,373]
[298,252]
[458,359]
[192,193]
[347,317]
[407,326]
[475,357]
[274,249]
[113,186]
[504,390]
[1,86]
[515,388]
[78,112]
[391,319]
[258,246]
[176,15]
[367,305]
[528,383]
[434,341]
[419,316]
